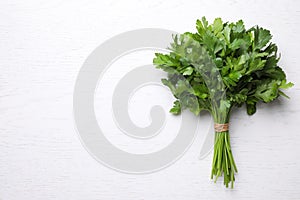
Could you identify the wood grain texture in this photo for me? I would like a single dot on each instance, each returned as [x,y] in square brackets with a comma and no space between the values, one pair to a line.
[43,45]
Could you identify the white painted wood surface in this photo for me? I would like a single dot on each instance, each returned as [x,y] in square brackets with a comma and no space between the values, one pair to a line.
[43,45]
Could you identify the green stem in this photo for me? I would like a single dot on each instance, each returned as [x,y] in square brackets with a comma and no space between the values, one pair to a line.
[223,162]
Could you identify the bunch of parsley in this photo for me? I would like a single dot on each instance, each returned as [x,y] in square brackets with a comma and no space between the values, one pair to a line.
[221,66]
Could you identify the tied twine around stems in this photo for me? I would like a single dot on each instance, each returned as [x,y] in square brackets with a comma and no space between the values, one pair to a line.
[221,127]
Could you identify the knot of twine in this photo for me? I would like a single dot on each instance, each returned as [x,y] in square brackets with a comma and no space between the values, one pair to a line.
[221,127]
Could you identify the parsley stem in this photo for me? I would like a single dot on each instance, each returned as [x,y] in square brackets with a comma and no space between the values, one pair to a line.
[223,162]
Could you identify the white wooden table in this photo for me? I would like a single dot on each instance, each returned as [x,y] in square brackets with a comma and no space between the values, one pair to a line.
[43,45]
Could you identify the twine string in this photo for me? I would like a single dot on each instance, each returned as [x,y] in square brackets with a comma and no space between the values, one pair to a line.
[221,127]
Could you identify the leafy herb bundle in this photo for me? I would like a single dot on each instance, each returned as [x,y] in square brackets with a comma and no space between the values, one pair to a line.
[221,66]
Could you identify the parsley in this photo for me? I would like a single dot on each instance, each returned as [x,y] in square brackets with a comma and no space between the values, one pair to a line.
[221,66]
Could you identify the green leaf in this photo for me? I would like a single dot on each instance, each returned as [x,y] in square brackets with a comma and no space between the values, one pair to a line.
[251,108]
[256,64]
[217,26]
[243,59]
[200,27]
[236,44]
[235,76]
[205,22]
[200,90]
[169,84]
[267,91]
[239,27]
[188,71]
[176,110]
[262,37]
[285,85]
